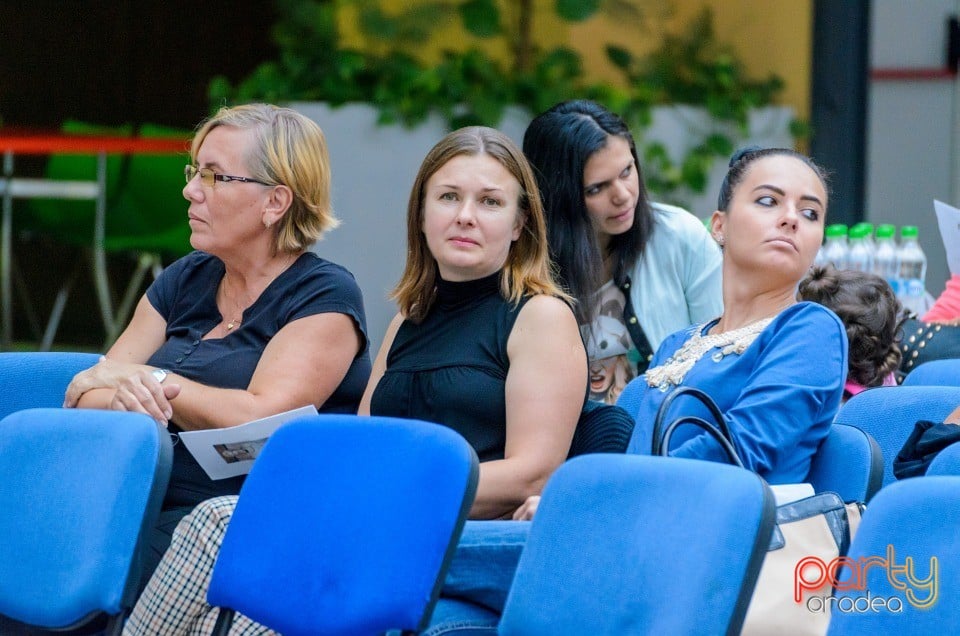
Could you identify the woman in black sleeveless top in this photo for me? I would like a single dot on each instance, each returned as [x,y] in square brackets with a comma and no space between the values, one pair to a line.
[485,342]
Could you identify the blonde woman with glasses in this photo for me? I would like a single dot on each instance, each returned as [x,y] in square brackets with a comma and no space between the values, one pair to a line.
[251,323]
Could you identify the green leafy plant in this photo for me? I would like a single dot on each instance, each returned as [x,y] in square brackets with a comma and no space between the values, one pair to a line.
[466,86]
[693,68]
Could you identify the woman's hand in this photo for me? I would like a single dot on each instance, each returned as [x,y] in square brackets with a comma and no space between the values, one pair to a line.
[141,393]
[106,374]
[527,509]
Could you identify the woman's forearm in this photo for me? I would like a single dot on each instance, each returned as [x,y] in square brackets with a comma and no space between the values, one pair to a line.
[504,485]
[96,399]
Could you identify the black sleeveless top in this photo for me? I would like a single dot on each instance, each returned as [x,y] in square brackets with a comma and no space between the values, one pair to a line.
[452,367]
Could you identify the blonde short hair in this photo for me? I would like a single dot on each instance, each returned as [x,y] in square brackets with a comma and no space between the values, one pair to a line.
[288,149]
[527,271]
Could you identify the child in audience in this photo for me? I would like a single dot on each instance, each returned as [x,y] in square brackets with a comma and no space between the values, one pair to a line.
[872,316]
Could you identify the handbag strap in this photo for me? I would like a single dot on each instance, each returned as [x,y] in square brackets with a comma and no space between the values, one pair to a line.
[713,431]
[706,400]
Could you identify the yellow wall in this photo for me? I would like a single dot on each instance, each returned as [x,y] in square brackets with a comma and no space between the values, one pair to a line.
[770,36]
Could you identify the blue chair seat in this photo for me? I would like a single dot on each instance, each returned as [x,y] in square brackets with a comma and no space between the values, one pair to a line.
[621,543]
[81,490]
[345,525]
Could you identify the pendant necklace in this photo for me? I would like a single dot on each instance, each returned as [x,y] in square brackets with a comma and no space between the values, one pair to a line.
[231,324]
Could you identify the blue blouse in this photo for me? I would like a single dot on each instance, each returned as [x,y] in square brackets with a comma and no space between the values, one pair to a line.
[779,396]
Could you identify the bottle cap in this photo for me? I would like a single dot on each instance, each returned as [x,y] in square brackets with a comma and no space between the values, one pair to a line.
[859,231]
[908,231]
[886,230]
[836,230]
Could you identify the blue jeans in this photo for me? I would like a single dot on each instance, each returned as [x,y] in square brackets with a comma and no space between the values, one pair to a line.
[479,577]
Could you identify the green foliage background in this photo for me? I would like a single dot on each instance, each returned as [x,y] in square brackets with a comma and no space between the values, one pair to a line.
[467,87]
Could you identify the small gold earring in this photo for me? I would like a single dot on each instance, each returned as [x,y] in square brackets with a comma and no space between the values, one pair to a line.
[266,224]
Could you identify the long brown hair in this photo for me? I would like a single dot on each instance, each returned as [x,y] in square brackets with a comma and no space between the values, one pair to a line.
[527,270]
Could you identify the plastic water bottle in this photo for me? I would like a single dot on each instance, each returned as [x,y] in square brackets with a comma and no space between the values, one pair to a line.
[913,271]
[859,255]
[835,248]
[885,263]
[868,237]
[821,257]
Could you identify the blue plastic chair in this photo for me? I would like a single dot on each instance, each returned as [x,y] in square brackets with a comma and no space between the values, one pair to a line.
[888,414]
[947,461]
[345,525]
[38,379]
[849,462]
[622,543]
[80,491]
[945,372]
[916,519]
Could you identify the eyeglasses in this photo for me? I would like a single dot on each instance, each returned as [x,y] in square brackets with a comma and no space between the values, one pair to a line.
[209,178]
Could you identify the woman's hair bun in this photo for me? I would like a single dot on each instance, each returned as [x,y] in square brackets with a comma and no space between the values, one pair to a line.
[742,152]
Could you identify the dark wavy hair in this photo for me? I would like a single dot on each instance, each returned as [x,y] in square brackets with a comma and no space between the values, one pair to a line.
[870,312]
[743,158]
[558,143]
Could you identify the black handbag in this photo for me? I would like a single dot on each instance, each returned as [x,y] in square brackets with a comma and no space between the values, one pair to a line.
[662,433]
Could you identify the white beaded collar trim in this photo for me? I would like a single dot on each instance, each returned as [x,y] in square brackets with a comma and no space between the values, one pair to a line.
[673,370]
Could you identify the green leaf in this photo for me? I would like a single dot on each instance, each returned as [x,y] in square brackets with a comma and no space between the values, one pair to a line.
[620,57]
[480,17]
[799,129]
[719,145]
[577,10]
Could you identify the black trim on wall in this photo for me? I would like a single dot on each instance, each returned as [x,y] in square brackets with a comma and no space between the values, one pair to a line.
[838,113]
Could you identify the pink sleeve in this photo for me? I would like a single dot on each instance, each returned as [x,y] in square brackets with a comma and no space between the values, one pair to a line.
[947,306]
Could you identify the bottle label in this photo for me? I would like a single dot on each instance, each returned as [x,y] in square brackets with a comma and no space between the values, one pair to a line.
[912,287]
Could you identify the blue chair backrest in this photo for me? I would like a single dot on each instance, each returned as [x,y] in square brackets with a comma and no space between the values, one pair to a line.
[945,372]
[79,490]
[38,379]
[620,544]
[947,461]
[888,414]
[907,526]
[346,525]
[849,462]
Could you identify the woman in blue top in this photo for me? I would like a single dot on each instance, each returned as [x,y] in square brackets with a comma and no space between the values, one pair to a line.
[252,323]
[639,270]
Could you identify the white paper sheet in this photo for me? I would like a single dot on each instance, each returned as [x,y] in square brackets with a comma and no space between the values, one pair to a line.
[229,452]
[787,493]
[948,218]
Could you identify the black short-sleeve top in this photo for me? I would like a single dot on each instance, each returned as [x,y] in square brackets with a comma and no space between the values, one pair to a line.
[452,367]
[185,296]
